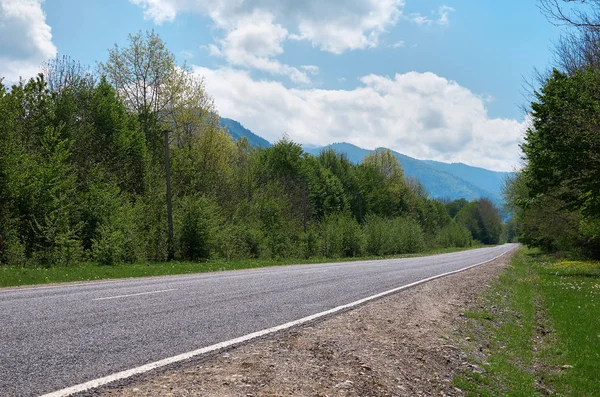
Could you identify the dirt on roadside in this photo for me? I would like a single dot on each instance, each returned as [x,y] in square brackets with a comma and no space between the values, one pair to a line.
[401,345]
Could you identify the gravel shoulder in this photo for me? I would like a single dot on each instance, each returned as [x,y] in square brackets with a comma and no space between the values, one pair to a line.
[401,345]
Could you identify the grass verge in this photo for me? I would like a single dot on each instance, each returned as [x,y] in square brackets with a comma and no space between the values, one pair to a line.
[536,331]
[18,276]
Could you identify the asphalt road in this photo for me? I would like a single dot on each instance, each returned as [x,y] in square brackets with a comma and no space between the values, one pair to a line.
[55,337]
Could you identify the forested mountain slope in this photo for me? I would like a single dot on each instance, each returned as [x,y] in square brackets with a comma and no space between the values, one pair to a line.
[237,130]
[439,183]
[442,180]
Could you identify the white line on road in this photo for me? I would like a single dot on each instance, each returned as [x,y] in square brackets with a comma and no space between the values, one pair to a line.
[219,346]
[125,296]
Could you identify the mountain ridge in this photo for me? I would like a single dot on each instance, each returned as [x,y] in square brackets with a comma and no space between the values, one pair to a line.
[441,180]
[438,183]
[237,131]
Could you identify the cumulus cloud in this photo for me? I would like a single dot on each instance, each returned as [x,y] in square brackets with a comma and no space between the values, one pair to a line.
[418,114]
[26,38]
[331,25]
[254,42]
[251,33]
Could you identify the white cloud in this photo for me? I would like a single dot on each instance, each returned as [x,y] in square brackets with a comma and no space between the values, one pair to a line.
[331,25]
[310,69]
[418,114]
[251,33]
[444,12]
[442,17]
[159,10]
[256,34]
[26,39]
[254,42]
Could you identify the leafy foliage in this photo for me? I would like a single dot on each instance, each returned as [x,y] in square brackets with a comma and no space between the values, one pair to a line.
[481,218]
[82,177]
[556,198]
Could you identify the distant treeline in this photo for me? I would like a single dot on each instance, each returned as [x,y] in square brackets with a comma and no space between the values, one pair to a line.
[82,178]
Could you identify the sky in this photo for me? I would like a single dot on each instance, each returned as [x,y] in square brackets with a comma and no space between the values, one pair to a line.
[432,79]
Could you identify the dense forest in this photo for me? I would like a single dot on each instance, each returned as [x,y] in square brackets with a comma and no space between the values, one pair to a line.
[556,196]
[83,175]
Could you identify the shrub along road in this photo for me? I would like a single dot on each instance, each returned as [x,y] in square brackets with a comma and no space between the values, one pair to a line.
[56,337]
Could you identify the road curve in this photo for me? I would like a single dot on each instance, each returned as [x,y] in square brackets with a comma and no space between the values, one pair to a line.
[58,336]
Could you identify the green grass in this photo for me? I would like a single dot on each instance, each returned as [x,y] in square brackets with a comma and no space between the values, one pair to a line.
[536,331]
[18,276]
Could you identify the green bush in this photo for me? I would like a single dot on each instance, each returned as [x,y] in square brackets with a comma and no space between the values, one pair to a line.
[108,248]
[271,210]
[378,236]
[309,243]
[12,248]
[118,238]
[13,252]
[57,242]
[151,217]
[341,236]
[198,222]
[408,237]
[235,241]
[394,236]
[454,236]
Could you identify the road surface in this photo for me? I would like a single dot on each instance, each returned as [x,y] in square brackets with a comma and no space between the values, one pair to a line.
[59,336]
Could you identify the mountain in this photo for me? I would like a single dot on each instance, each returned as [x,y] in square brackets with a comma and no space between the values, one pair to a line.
[439,182]
[237,131]
[491,181]
[442,180]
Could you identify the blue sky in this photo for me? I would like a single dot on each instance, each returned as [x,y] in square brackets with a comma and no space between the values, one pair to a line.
[432,79]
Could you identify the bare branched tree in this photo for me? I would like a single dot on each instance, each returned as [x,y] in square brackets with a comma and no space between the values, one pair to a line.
[575,51]
[530,87]
[580,47]
[576,13]
[63,71]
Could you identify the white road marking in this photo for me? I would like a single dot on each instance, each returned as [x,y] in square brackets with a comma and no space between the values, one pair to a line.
[128,295]
[219,346]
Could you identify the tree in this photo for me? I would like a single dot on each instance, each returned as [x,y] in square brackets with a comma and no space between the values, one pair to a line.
[482,218]
[383,186]
[455,206]
[144,74]
[346,172]
[204,164]
[284,163]
[562,149]
[191,112]
[326,192]
[578,13]
[555,199]
[577,49]
[491,224]
[7,145]
[545,223]
[560,184]
[64,72]
[161,93]
[170,103]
